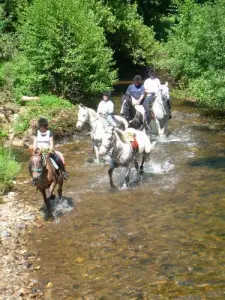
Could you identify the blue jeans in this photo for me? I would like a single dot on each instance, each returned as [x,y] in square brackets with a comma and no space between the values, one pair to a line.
[111,120]
[147,104]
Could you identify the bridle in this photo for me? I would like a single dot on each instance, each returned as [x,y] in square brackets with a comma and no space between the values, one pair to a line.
[109,146]
[35,168]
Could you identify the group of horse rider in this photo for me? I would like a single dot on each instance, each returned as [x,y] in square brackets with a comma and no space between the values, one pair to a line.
[142,94]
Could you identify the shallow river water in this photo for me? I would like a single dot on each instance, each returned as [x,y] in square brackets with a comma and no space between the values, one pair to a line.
[162,238]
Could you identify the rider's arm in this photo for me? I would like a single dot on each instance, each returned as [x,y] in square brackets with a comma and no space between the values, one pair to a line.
[100,108]
[142,95]
[35,143]
[51,142]
[110,107]
[146,86]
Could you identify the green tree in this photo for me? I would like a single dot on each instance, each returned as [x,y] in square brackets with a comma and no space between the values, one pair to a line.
[66,47]
[195,50]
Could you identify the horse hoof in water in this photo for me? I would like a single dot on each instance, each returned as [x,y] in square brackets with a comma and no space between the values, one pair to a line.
[49,217]
[52,197]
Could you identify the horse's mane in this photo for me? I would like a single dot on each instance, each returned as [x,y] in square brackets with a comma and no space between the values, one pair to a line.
[92,111]
[121,135]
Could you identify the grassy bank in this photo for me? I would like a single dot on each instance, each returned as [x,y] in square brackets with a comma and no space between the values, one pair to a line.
[60,113]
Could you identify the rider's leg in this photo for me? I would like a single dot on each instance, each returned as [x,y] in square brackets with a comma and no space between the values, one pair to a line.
[60,164]
[147,110]
[111,121]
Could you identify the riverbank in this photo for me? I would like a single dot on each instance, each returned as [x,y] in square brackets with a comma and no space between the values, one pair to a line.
[17,220]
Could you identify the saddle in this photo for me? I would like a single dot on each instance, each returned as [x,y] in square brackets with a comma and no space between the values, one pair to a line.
[133,141]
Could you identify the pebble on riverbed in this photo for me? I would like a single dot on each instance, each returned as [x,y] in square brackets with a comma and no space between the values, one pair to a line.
[15,218]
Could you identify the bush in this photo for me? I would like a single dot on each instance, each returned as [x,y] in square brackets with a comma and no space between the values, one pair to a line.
[9,168]
[195,51]
[66,47]
[60,113]
[18,78]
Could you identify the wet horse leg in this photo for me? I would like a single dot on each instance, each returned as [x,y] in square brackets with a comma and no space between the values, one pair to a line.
[127,176]
[51,190]
[110,172]
[60,185]
[136,165]
[142,165]
[47,203]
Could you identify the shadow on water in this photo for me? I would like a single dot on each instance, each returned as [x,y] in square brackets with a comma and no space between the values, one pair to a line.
[210,162]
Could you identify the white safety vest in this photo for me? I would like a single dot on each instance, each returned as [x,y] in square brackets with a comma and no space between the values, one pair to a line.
[43,139]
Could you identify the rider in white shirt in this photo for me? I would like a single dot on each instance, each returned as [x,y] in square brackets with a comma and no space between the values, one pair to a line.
[106,109]
[152,88]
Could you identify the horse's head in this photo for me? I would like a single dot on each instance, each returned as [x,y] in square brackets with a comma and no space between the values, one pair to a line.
[36,166]
[82,117]
[107,141]
[165,91]
[126,106]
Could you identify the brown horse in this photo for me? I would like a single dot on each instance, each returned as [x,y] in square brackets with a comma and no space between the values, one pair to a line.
[45,176]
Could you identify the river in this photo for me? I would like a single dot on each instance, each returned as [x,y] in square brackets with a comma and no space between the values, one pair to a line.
[162,238]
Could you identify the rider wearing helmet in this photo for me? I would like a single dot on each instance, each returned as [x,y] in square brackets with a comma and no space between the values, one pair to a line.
[44,141]
[152,88]
[106,109]
[136,90]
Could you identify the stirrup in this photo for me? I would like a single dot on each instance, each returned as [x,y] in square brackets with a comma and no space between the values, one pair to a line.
[65,175]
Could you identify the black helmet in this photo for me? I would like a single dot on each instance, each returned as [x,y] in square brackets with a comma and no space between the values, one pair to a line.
[137,78]
[42,121]
[151,71]
[106,93]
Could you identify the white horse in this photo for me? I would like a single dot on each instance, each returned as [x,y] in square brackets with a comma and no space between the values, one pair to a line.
[124,154]
[98,125]
[160,110]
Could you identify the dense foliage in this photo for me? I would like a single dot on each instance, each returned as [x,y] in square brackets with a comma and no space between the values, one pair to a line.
[9,168]
[195,51]
[60,113]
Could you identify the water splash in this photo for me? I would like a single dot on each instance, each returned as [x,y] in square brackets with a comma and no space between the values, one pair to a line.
[61,207]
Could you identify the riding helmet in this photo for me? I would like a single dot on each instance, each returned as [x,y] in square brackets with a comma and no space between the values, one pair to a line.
[151,72]
[42,121]
[137,78]
[106,93]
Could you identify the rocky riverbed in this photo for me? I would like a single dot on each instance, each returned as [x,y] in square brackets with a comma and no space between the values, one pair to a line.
[17,221]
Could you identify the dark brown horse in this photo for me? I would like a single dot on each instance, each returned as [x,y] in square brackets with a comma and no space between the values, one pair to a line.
[45,176]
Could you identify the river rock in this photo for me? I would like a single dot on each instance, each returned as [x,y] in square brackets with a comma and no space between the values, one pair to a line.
[6,234]
[17,143]
[49,285]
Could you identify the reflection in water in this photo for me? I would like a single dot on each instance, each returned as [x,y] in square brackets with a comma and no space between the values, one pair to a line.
[162,238]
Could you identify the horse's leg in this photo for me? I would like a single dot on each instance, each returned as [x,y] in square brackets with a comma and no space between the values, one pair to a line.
[136,165]
[60,185]
[47,203]
[96,152]
[127,176]
[158,127]
[110,172]
[142,164]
